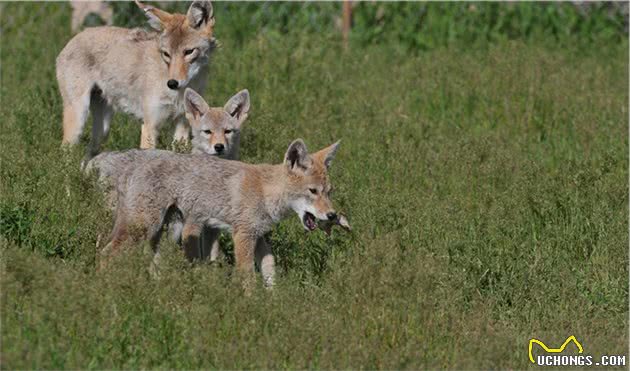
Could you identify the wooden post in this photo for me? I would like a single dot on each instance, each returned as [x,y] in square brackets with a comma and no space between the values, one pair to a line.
[347,21]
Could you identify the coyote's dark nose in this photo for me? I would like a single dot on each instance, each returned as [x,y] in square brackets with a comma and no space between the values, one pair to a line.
[331,216]
[172,84]
[219,147]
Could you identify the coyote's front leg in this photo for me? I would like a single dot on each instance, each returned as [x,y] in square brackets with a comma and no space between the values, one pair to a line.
[266,262]
[244,246]
[153,117]
[149,134]
[182,131]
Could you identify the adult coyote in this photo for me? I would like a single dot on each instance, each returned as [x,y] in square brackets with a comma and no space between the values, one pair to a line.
[107,69]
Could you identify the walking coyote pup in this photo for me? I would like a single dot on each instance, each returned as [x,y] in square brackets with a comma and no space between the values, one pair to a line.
[203,190]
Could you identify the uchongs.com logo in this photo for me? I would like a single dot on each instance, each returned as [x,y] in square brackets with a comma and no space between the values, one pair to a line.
[552,356]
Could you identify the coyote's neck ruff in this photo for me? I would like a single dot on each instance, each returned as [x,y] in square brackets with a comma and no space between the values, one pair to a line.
[108,69]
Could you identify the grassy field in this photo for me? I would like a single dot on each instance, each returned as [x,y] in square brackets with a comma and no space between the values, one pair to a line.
[487,189]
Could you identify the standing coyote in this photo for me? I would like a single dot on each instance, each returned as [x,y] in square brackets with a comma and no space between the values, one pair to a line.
[107,69]
[202,190]
[215,131]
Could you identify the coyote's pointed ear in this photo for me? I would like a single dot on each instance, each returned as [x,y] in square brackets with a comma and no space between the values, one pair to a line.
[157,18]
[194,105]
[238,106]
[200,14]
[327,154]
[297,156]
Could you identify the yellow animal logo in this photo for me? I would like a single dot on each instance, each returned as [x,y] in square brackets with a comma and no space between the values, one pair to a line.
[553,350]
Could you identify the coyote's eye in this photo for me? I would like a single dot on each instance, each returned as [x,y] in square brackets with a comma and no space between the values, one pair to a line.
[228,131]
[188,51]
[209,132]
[165,54]
[313,190]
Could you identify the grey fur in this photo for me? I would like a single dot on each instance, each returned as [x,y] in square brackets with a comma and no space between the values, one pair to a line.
[207,191]
[112,167]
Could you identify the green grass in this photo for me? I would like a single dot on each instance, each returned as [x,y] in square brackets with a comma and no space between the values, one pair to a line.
[487,189]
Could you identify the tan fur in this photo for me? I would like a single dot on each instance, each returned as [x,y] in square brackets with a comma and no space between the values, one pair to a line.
[81,9]
[245,199]
[108,69]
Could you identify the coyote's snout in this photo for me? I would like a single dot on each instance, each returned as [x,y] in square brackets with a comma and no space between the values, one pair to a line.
[108,69]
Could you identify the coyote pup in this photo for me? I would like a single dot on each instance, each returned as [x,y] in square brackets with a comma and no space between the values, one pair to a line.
[215,131]
[107,69]
[245,199]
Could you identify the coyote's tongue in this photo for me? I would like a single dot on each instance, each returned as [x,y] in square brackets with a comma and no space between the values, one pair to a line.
[309,221]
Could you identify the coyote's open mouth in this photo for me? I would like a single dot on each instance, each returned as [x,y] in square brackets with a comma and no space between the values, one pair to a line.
[309,221]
